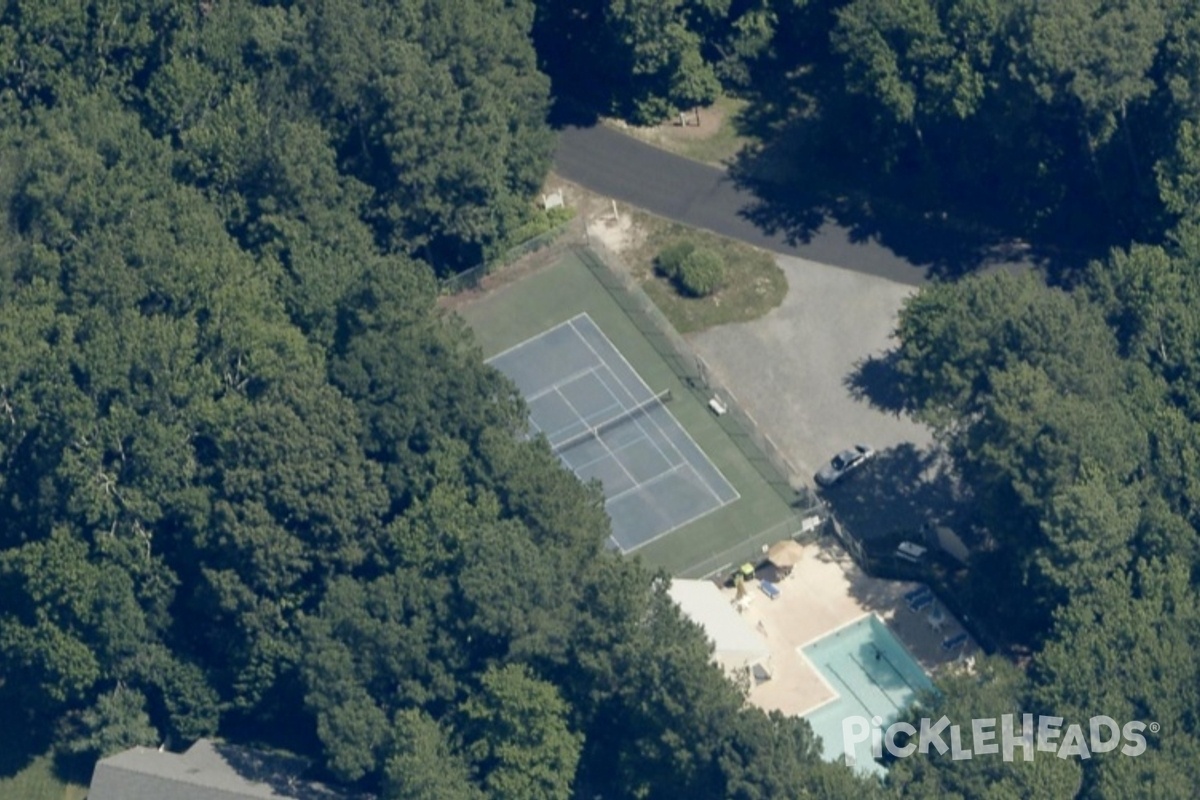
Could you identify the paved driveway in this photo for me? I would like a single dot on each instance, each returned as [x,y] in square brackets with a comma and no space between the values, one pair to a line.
[796,370]
[615,165]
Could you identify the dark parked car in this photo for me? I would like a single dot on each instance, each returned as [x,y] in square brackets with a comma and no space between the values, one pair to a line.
[843,464]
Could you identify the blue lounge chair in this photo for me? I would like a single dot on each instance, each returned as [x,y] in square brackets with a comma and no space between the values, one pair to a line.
[915,593]
[770,589]
[954,642]
[920,601]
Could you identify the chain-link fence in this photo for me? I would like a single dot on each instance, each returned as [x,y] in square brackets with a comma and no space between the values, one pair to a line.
[802,529]
[539,242]
[757,447]
[462,281]
[568,234]
[808,513]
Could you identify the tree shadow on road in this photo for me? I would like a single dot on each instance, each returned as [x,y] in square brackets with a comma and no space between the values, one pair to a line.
[809,173]
[874,380]
[567,111]
[799,207]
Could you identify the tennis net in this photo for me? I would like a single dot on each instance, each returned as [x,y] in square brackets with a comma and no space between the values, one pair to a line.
[595,431]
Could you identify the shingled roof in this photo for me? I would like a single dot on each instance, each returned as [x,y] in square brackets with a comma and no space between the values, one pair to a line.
[207,771]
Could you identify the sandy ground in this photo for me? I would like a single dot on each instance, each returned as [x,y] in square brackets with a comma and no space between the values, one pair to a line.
[669,132]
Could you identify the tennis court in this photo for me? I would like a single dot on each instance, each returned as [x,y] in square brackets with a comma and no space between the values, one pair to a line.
[545,298]
[605,423]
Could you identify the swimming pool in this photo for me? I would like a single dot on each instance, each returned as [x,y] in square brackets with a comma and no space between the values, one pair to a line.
[872,673]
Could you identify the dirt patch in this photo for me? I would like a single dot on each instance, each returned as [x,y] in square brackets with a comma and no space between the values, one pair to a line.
[715,140]
[754,282]
[619,232]
[616,230]
[612,224]
[701,124]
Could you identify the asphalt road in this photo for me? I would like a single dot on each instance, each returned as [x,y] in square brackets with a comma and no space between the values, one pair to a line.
[609,163]
[803,373]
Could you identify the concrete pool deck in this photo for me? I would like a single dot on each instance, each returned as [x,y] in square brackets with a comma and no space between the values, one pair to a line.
[825,591]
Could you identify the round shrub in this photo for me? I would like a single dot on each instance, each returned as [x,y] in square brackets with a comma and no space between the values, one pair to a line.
[701,273]
[671,257]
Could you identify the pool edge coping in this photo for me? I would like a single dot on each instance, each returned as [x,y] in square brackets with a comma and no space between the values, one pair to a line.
[833,631]
[817,671]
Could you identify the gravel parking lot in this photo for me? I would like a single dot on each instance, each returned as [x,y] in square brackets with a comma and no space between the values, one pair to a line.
[795,369]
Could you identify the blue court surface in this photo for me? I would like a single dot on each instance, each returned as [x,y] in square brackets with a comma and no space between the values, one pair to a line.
[873,674]
[606,424]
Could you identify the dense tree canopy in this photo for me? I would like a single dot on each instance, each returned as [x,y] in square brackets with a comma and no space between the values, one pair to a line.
[253,483]
[1072,113]
[1071,418]
[1069,408]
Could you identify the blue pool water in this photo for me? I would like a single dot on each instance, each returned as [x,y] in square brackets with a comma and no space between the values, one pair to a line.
[867,685]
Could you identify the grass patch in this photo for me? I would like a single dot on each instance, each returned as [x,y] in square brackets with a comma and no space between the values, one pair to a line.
[754,283]
[39,781]
[716,141]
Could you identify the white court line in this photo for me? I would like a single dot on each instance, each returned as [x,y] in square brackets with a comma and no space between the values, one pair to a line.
[601,458]
[601,363]
[554,386]
[672,529]
[700,480]
[535,337]
[638,422]
[602,442]
[736,494]
[579,419]
[644,484]
[708,487]
[628,392]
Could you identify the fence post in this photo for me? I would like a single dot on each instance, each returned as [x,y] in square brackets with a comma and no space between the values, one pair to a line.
[568,234]
[692,371]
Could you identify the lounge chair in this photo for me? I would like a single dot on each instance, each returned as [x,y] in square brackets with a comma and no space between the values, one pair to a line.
[920,591]
[936,618]
[954,642]
[921,602]
[770,589]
